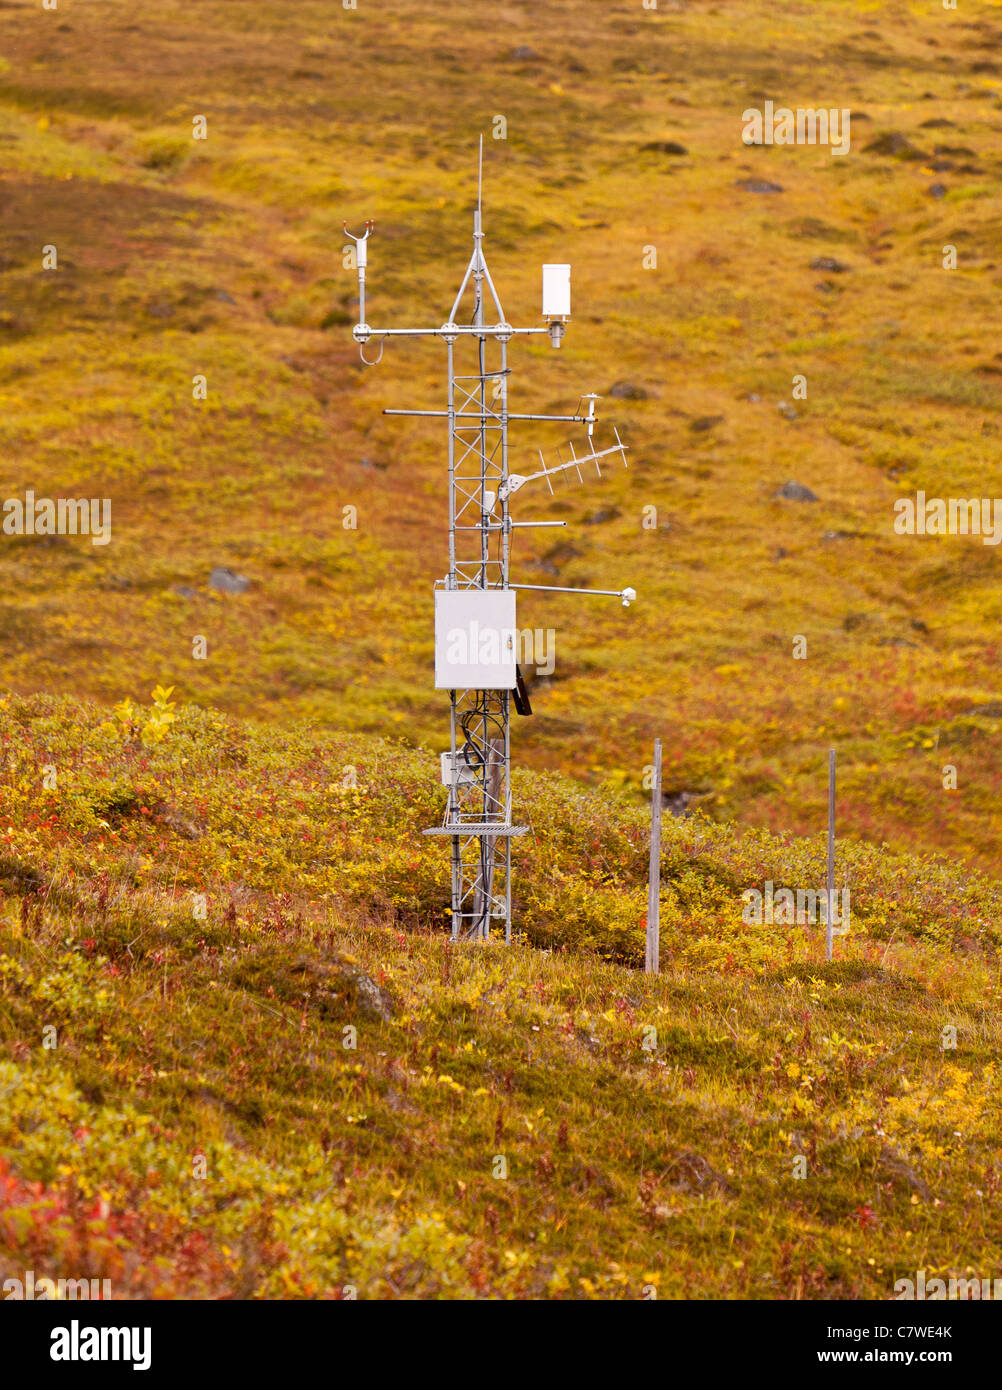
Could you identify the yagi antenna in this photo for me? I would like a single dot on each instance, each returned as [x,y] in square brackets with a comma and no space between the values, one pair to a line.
[519,480]
[476,600]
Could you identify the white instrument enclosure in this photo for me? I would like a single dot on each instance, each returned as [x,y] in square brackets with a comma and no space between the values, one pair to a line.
[476,640]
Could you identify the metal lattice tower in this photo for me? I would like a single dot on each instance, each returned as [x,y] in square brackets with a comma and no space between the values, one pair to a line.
[477,768]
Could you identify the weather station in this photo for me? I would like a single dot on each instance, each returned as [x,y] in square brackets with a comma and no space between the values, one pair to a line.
[476,632]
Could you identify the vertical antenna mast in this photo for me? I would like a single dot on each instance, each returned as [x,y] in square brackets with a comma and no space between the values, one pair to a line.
[476,639]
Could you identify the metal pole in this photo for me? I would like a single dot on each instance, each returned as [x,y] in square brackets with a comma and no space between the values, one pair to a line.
[831,853]
[652,959]
[451,412]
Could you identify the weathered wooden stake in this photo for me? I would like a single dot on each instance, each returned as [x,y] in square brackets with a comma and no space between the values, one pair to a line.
[652,958]
[831,853]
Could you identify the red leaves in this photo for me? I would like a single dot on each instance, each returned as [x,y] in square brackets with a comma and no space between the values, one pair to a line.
[60,1232]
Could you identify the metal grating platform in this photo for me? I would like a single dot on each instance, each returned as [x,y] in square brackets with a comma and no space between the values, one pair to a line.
[501,832]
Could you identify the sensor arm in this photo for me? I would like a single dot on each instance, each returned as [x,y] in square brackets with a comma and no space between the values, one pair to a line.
[627,595]
[448,331]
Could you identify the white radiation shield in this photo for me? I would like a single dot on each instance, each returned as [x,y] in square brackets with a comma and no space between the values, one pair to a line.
[556,291]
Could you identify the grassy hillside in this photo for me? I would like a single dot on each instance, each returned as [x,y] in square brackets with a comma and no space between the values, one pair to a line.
[223,258]
[238,1055]
[189,925]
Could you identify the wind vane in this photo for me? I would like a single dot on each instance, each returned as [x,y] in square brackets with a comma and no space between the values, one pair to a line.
[476,638]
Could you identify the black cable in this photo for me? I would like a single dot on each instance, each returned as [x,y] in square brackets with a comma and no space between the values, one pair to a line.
[478,743]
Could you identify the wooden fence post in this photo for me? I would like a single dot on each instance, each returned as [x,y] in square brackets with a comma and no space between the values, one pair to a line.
[831,854]
[652,958]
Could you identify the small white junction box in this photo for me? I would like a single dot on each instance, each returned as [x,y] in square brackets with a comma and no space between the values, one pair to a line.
[456,771]
[476,640]
[556,291]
